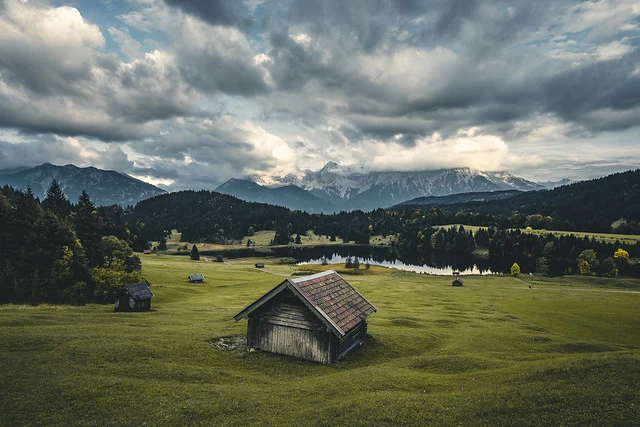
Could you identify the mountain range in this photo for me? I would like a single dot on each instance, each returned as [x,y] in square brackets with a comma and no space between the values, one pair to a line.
[335,187]
[104,187]
[331,189]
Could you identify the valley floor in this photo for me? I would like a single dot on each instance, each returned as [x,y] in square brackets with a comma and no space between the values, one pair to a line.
[498,351]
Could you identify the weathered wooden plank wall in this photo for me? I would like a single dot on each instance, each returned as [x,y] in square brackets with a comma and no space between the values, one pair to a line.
[303,343]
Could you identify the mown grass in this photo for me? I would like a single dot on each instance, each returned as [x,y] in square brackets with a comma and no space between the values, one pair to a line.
[498,351]
[261,240]
[630,239]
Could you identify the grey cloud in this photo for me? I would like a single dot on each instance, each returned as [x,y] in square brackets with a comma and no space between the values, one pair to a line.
[214,145]
[211,71]
[42,149]
[150,89]
[217,12]
[215,59]
[577,93]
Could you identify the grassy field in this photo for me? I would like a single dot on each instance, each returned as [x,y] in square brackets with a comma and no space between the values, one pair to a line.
[261,238]
[630,239]
[498,351]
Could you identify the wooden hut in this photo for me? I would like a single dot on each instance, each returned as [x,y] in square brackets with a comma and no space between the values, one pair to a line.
[134,297]
[319,317]
[457,282]
[196,278]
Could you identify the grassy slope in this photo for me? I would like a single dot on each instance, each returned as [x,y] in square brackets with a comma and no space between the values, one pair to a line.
[630,239]
[260,238]
[496,351]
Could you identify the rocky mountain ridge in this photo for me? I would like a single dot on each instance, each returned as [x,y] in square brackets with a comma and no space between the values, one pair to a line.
[104,187]
[346,188]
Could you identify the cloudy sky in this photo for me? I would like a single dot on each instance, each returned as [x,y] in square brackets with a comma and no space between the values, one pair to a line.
[189,93]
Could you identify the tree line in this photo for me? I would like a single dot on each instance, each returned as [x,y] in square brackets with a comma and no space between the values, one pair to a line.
[58,252]
[546,253]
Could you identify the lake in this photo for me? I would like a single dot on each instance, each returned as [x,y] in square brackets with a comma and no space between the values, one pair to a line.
[399,265]
[436,264]
[386,256]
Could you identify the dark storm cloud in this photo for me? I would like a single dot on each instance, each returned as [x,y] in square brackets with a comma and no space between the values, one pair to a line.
[216,12]
[503,75]
[333,54]
[211,71]
[235,80]
[49,149]
[576,94]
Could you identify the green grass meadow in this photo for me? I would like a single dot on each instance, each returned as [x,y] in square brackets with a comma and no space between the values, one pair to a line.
[498,351]
[628,239]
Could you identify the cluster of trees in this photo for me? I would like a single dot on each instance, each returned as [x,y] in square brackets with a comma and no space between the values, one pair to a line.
[583,206]
[59,252]
[540,253]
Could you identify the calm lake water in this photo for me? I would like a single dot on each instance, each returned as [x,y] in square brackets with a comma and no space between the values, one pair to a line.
[387,257]
[434,263]
[397,264]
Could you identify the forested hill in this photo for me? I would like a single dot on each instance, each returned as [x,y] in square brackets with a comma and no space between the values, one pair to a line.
[587,205]
[456,199]
[205,216]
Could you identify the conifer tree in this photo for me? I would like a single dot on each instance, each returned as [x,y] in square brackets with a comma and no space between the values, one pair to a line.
[195,255]
[56,201]
[88,227]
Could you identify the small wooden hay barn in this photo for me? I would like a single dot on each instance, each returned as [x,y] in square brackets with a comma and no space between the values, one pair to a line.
[319,317]
[196,278]
[134,297]
[457,282]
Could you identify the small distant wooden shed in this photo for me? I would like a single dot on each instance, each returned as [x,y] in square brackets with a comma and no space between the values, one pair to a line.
[196,278]
[134,297]
[319,317]
[259,265]
[457,282]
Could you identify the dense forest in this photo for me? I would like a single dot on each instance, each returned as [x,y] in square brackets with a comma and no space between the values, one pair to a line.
[583,206]
[57,251]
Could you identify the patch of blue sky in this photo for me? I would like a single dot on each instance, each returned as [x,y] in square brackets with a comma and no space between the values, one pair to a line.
[106,14]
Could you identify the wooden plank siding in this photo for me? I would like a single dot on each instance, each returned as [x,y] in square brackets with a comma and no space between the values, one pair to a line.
[354,338]
[304,343]
[287,328]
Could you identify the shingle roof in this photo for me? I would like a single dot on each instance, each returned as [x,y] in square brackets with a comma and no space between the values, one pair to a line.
[328,295]
[139,291]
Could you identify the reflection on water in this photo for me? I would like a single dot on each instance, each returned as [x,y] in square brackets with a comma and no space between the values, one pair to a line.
[397,264]
[438,264]
[430,263]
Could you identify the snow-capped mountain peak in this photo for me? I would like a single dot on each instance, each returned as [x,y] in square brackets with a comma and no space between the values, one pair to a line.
[350,187]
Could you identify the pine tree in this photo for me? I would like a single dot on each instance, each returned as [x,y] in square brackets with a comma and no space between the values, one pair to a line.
[56,201]
[88,227]
[195,255]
